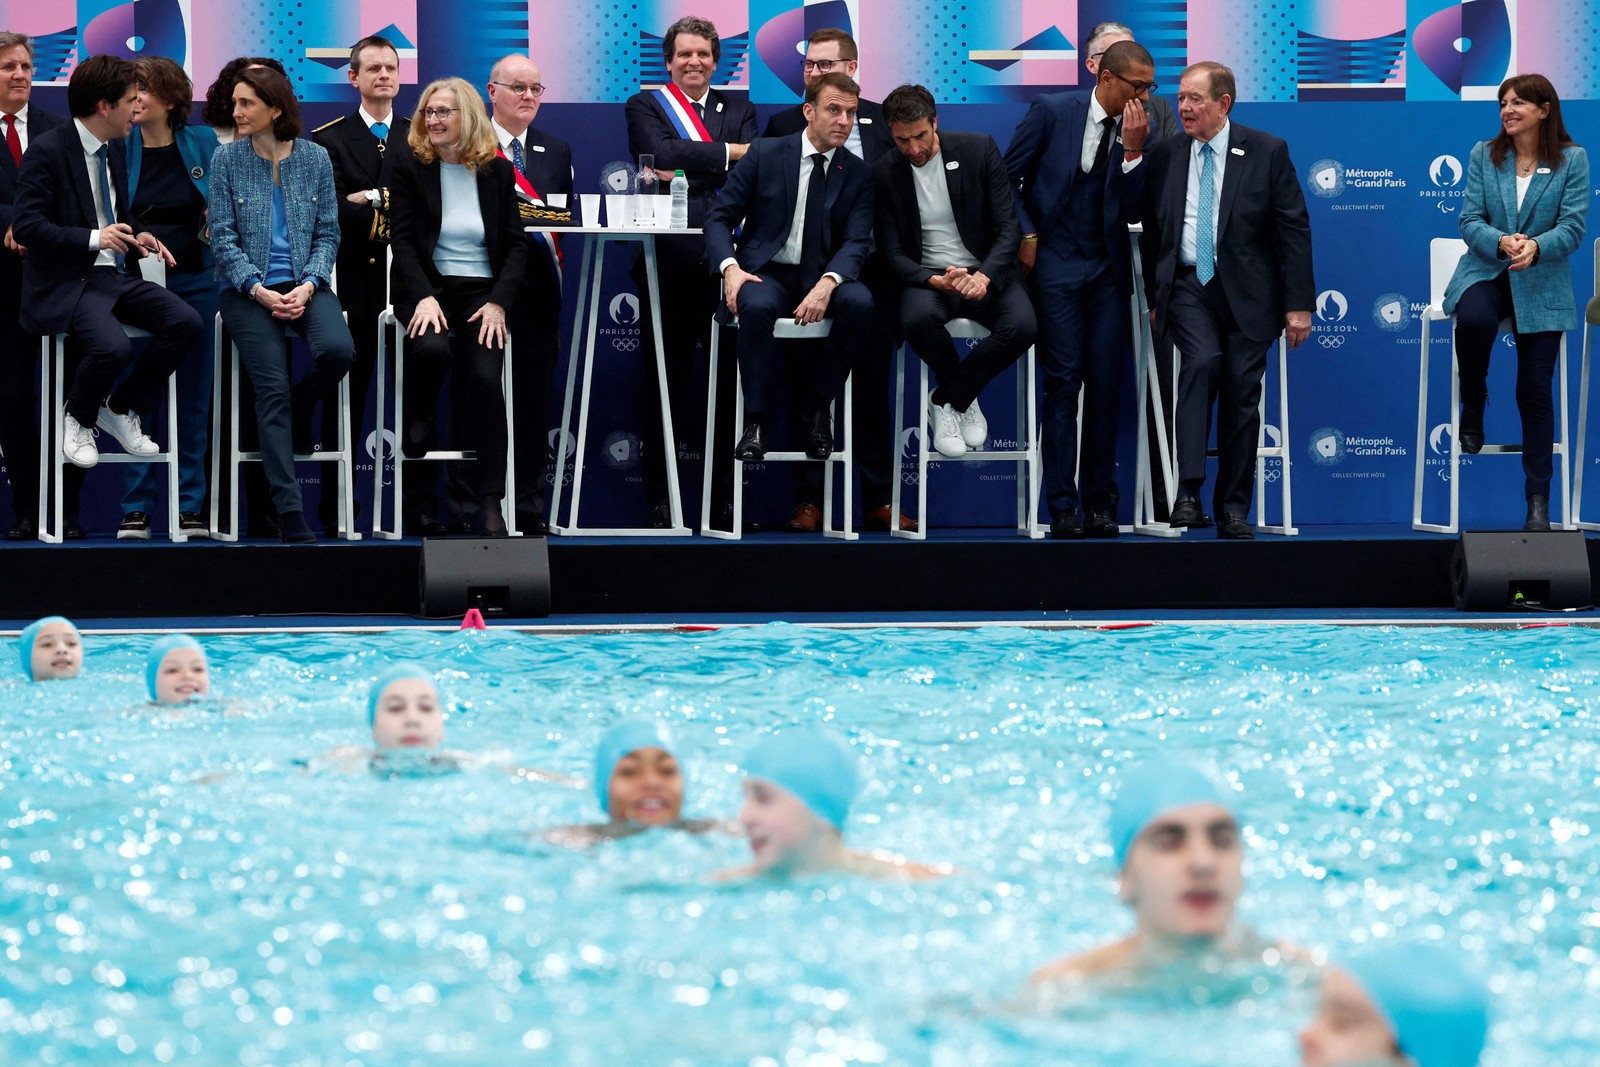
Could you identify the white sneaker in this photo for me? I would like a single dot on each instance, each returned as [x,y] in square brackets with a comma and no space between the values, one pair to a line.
[77,443]
[946,428]
[974,427]
[125,428]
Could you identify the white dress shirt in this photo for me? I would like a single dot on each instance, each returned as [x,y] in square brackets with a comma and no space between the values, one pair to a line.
[1093,132]
[91,158]
[1191,197]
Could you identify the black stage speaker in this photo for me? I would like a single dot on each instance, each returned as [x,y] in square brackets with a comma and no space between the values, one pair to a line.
[498,576]
[1505,571]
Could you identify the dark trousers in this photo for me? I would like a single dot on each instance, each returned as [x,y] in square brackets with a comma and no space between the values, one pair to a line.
[760,354]
[110,300]
[363,294]
[1007,313]
[1478,316]
[1084,342]
[260,337]
[479,401]
[1218,365]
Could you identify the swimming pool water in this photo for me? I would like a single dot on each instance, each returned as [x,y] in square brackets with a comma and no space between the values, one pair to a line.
[175,888]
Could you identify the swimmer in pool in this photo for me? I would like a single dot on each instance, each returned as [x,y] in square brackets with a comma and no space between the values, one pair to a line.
[798,788]
[50,649]
[1181,869]
[1421,1005]
[639,786]
[176,671]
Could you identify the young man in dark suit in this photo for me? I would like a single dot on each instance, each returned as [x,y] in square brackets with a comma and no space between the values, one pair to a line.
[356,144]
[830,50]
[806,206]
[1227,265]
[689,126]
[19,353]
[948,229]
[80,274]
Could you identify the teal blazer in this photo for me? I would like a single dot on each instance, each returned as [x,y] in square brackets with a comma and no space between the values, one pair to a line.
[1553,213]
[195,146]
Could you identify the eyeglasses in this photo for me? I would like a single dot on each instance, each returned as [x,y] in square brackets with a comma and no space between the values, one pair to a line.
[519,89]
[441,113]
[822,66]
[1137,87]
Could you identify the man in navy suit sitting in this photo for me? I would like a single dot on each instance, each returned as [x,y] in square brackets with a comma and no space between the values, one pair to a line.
[806,203]
[80,275]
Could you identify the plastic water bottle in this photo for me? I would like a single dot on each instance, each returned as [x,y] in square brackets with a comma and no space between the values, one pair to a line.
[680,201]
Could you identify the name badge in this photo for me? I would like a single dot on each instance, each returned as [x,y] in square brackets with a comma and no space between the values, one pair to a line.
[954,164]
[537,147]
[864,121]
[719,107]
[1236,151]
[1542,170]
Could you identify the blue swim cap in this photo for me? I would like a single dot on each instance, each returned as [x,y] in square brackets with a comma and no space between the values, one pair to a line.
[388,677]
[811,763]
[158,652]
[1431,996]
[1151,788]
[627,736]
[30,634]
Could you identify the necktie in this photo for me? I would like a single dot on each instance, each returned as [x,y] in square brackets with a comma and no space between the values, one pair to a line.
[13,139]
[516,156]
[811,259]
[700,112]
[380,130]
[1205,252]
[103,154]
[1104,150]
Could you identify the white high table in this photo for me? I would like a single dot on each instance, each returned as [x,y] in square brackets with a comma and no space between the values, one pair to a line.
[586,326]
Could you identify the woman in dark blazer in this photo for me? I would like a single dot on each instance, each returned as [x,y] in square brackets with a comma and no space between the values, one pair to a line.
[1527,200]
[459,254]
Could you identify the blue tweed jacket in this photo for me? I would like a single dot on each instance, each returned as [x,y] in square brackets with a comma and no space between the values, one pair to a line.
[240,199]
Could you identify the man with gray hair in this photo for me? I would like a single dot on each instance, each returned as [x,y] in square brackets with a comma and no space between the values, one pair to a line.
[1163,123]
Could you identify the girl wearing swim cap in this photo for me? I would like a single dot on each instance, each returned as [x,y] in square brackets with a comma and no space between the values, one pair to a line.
[798,788]
[176,671]
[1421,1005]
[51,648]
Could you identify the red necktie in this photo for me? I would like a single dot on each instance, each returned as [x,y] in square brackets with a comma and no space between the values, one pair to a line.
[13,140]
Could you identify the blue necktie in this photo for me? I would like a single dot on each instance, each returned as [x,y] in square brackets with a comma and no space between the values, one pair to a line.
[516,156]
[103,154]
[380,130]
[1205,251]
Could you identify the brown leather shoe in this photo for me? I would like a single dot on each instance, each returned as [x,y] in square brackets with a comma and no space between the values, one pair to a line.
[807,518]
[878,519]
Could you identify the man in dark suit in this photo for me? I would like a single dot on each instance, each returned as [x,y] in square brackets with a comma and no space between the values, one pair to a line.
[806,206]
[19,353]
[544,182]
[1163,123]
[1077,159]
[830,50]
[356,144]
[689,126]
[948,228]
[80,274]
[1227,264]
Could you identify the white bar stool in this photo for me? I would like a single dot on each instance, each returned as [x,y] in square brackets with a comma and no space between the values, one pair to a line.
[1591,318]
[783,330]
[1026,456]
[343,454]
[1443,255]
[391,434]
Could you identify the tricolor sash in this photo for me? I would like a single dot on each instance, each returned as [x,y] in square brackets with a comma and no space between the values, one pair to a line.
[680,112]
[527,197]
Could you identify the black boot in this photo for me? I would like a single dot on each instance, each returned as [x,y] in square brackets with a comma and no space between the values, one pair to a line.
[1538,520]
[1470,436]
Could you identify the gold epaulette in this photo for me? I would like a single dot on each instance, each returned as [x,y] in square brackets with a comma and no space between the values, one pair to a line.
[335,122]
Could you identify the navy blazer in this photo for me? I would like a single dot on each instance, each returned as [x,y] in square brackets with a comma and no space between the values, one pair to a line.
[1263,231]
[876,141]
[39,122]
[763,191]
[1044,159]
[416,210]
[730,119]
[1554,213]
[980,196]
[54,216]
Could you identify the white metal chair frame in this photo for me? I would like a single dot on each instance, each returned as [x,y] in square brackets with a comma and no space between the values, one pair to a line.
[1443,255]
[1026,457]
[1591,318]
[343,454]
[783,330]
[395,432]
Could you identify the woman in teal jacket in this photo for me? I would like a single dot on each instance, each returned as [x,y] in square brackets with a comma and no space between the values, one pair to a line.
[1526,204]
[169,165]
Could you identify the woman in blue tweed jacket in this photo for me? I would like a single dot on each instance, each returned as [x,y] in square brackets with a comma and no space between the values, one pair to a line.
[1527,201]
[275,232]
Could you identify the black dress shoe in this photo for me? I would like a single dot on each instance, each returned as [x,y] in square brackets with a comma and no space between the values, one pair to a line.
[71,531]
[660,517]
[1234,528]
[819,434]
[752,446]
[1538,520]
[532,523]
[292,529]
[1101,524]
[1470,433]
[1186,512]
[431,527]
[1067,527]
[24,530]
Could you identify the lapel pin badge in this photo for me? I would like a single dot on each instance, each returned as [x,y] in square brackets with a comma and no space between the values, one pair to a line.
[538,147]
[1542,170]
[864,121]
[719,107]
[954,164]
[197,173]
[1236,151]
